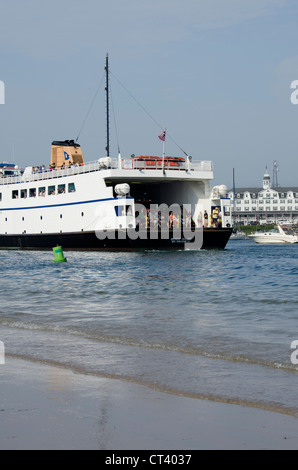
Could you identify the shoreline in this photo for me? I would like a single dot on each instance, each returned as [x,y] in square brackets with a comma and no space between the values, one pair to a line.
[49,407]
[259,405]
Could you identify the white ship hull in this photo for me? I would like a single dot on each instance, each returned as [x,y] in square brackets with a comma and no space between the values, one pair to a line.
[76,206]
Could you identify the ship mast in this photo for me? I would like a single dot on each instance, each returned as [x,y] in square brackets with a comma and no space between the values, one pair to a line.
[107,105]
[234,200]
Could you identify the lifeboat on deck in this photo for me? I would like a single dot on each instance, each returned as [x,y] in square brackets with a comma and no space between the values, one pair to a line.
[171,163]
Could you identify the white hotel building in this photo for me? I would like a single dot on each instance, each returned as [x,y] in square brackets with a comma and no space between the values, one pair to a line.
[266,204]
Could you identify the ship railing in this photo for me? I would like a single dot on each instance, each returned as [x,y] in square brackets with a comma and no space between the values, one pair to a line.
[129,164]
[155,165]
[29,175]
[203,165]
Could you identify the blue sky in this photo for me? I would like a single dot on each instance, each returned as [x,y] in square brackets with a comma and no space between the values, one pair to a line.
[217,73]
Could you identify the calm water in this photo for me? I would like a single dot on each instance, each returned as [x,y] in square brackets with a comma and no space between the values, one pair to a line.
[206,324]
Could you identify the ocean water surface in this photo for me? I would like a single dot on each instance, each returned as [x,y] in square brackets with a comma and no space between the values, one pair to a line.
[216,325]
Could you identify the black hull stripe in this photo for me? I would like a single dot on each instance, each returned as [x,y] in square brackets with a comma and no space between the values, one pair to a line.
[87,241]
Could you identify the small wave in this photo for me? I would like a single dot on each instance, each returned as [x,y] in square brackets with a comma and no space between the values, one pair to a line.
[257,404]
[277,301]
[191,350]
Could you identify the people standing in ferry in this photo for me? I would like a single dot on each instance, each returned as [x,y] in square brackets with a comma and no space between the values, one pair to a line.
[215,213]
[148,219]
[205,219]
[200,219]
[188,218]
[142,220]
[213,218]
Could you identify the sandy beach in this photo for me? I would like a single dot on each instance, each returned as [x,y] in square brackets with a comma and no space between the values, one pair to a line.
[46,407]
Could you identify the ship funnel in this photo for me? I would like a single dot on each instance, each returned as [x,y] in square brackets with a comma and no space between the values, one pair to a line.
[66,153]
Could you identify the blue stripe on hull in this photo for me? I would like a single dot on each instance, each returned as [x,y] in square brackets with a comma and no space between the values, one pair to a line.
[60,205]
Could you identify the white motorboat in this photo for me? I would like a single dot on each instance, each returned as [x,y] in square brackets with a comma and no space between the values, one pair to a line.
[278,235]
[239,235]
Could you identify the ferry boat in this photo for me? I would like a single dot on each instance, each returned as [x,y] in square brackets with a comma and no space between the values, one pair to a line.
[111,204]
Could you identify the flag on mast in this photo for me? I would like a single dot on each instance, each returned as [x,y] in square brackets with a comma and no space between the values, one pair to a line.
[162,136]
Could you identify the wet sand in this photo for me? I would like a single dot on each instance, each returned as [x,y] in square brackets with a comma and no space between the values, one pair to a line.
[45,407]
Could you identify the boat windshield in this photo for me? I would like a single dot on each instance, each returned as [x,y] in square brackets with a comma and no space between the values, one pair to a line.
[288,231]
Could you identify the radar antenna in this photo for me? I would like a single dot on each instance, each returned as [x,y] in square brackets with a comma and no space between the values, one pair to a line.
[275,174]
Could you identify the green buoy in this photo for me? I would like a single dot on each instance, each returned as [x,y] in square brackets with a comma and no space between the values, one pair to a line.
[58,255]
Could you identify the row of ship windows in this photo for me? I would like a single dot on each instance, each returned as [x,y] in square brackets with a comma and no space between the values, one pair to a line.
[281,208]
[42,191]
[261,201]
[265,195]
